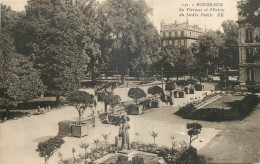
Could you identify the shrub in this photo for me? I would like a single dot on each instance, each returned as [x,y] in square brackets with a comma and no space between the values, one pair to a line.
[189,156]
[47,148]
[146,103]
[170,86]
[194,129]
[155,90]
[155,104]
[186,110]
[122,160]
[162,97]
[81,100]
[137,160]
[136,94]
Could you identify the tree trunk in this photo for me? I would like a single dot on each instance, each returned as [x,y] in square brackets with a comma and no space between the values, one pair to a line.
[168,78]
[190,141]
[122,78]
[58,98]
[207,73]
[105,106]
[93,78]
[79,119]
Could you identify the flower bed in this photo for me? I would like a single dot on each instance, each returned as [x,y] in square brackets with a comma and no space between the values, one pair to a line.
[182,154]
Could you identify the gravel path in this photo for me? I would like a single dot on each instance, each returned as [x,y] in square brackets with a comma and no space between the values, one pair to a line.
[19,138]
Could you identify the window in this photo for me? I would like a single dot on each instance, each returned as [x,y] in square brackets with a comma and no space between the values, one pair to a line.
[170,34]
[167,34]
[164,43]
[249,56]
[182,34]
[250,76]
[170,42]
[249,36]
[176,34]
[164,35]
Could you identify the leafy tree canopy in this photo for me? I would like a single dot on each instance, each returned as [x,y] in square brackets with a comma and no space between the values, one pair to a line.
[19,81]
[251,11]
[54,34]
[136,94]
[154,90]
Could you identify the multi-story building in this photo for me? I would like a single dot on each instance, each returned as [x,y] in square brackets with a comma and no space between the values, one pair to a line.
[179,34]
[249,57]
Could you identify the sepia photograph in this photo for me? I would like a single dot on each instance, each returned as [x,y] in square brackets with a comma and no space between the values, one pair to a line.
[129,81]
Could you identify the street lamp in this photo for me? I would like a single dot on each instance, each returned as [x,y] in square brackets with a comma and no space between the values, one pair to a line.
[127,72]
[162,77]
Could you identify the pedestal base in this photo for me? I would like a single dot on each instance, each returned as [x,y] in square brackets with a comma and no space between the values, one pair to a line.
[128,153]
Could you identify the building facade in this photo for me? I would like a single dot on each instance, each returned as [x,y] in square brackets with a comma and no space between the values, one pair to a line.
[179,34]
[249,57]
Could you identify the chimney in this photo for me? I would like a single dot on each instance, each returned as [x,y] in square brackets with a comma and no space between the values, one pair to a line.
[162,24]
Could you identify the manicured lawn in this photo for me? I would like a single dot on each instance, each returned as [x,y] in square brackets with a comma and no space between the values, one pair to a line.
[224,102]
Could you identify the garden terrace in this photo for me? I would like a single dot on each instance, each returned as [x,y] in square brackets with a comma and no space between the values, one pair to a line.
[227,108]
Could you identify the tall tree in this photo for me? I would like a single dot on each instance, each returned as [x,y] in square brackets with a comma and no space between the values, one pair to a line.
[229,49]
[19,81]
[209,44]
[174,61]
[134,38]
[99,57]
[54,34]
[250,9]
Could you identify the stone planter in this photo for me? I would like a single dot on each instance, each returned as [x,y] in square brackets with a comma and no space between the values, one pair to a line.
[199,87]
[181,94]
[118,142]
[113,119]
[192,91]
[79,130]
[134,109]
[65,128]
[176,94]
[186,90]
[154,104]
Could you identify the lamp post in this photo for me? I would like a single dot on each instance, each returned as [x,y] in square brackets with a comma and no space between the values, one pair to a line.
[162,77]
[127,72]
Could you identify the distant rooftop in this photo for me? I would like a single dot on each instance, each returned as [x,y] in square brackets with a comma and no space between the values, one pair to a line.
[180,26]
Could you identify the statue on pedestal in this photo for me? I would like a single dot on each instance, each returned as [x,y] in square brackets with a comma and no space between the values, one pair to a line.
[123,132]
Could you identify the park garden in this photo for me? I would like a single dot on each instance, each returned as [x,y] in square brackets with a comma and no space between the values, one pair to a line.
[73,74]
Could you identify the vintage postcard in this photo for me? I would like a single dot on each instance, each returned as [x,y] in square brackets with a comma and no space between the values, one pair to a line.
[129,81]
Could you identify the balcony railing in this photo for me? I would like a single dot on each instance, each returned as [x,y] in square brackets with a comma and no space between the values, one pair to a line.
[250,82]
[249,41]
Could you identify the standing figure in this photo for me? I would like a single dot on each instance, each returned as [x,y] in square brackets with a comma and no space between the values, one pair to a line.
[124,131]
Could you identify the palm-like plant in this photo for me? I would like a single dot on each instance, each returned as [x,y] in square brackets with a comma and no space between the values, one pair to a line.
[105,136]
[96,141]
[136,134]
[73,152]
[84,146]
[173,143]
[154,135]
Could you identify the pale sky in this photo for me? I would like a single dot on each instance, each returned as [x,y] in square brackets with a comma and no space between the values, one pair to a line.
[168,10]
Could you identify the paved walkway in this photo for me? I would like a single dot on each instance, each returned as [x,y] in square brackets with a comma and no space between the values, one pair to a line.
[19,138]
